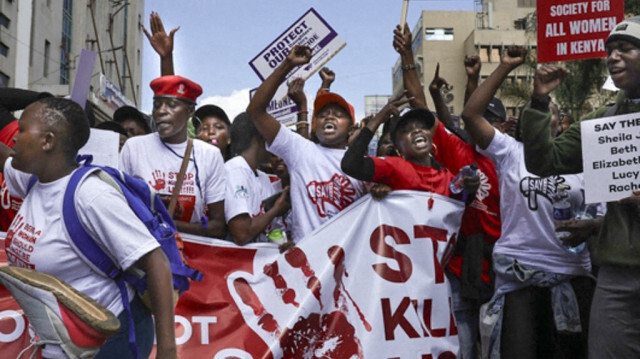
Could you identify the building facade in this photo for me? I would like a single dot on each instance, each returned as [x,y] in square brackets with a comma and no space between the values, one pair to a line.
[446,37]
[41,42]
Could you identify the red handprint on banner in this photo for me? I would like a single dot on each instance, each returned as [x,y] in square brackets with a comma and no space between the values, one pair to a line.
[158,180]
[321,330]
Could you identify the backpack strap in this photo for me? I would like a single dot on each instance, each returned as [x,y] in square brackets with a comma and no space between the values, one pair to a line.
[90,249]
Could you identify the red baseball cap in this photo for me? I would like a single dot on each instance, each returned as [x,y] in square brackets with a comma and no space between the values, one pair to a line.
[176,86]
[325,98]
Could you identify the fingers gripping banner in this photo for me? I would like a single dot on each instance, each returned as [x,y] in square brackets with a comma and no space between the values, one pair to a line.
[368,284]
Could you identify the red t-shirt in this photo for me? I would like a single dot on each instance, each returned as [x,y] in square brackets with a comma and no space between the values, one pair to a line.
[9,205]
[399,173]
[483,215]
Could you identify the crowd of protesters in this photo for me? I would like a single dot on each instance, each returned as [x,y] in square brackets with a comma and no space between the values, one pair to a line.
[518,290]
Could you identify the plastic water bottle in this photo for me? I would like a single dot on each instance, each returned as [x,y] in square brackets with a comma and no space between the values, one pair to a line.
[585,212]
[277,236]
[562,210]
[457,183]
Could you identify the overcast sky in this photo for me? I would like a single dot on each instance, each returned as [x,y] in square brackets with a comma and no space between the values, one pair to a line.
[218,38]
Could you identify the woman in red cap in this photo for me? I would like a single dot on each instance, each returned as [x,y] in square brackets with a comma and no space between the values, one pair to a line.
[157,158]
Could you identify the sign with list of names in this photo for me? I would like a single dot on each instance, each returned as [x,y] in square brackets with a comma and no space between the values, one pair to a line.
[611,157]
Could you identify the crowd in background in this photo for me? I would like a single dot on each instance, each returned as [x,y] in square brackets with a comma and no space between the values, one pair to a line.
[519,289]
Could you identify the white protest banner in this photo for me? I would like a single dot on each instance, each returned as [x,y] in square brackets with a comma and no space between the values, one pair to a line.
[367,284]
[310,30]
[611,157]
[281,107]
[103,145]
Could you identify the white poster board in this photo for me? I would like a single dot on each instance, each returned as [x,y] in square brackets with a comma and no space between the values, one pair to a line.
[310,30]
[103,146]
[281,107]
[611,157]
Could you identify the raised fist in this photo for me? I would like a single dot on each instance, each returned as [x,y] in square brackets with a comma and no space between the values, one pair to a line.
[547,78]
[514,56]
[472,65]
[327,76]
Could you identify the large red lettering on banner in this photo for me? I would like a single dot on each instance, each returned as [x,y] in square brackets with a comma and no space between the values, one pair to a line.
[575,29]
[380,247]
[257,303]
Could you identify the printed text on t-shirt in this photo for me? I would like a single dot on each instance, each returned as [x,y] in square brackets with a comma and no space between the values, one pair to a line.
[337,192]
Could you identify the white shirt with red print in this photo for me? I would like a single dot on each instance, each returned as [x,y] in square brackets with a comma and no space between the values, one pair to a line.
[319,188]
[158,163]
[37,237]
[245,192]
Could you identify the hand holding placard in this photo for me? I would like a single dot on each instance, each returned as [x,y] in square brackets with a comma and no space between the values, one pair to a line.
[299,55]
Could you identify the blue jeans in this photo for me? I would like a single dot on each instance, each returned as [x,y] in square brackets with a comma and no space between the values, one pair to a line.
[118,345]
[466,312]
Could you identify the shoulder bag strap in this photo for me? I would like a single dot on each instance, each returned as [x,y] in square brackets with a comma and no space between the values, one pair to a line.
[179,180]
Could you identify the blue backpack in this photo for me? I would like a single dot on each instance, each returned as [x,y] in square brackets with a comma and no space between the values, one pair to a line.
[148,207]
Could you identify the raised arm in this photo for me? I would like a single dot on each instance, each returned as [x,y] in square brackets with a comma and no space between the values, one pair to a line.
[479,129]
[472,66]
[355,162]
[544,155]
[161,43]
[296,94]
[402,44]
[327,76]
[257,109]
[441,108]
[14,99]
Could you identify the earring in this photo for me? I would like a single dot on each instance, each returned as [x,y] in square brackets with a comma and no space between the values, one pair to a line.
[434,149]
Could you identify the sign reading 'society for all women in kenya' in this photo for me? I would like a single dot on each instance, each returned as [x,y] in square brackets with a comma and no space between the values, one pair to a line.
[611,157]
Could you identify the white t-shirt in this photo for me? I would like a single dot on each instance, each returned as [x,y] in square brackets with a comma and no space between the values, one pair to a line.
[158,163]
[528,229]
[37,237]
[245,192]
[319,188]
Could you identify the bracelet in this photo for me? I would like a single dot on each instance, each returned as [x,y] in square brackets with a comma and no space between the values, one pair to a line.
[326,89]
[303,112]
[302,124]
[409,67]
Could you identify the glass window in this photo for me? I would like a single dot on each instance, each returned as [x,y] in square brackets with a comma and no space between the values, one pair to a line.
[4,21]
[47,49]
[65,47]
[439,34]
[4,80]
[4,49]
[526,3]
